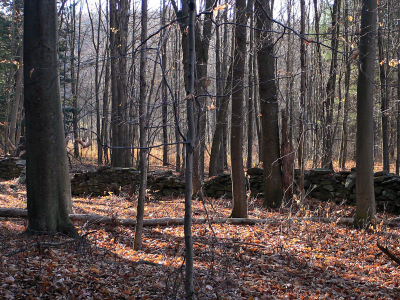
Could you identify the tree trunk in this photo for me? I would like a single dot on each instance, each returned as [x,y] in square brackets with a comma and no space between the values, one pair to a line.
[343,146]
[250,111]
[398,105]
[218,146]
[106,102]
[10,75]
[302,118]
[330,89]
[48,181]
[384,95]
[190,145]
[176,104]
[203,37]
[268,93]
[73,82]
[143,131]
[164,91]
[239,209]
[97,79]
[365,203]
[287,152]
[222,115]
[14,134]
[118,42]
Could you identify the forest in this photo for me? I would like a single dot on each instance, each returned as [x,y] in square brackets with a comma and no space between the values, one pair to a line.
[199,149]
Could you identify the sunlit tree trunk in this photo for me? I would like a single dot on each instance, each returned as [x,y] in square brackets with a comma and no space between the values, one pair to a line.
[118,43]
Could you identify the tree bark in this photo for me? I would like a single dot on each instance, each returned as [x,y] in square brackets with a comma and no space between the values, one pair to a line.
[239,209]
[302,117]
[10,75]
[365,196]
[14,134]
[330,89]
[164,90]
[218,146]
[384,95]
[343,145]
[118,42]
[250,111]
[74,95]
[222,115]
[48,181]
[143,131]
[97,79]
[398,105]
[190,146]
[268,93]
[203,38]
[287,152]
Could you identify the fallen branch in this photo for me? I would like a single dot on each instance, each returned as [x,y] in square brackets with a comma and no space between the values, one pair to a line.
[388,253]
[23,213]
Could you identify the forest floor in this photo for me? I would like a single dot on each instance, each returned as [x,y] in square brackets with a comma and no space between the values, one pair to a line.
[292,258]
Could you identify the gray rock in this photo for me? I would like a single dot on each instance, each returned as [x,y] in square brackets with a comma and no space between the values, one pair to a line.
[350,181]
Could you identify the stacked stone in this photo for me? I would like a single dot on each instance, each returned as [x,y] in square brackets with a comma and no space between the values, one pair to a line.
[326,185]
[256,182]
[103,180]
[342,187]
[106,180]
[11,167]
[387,191]
[321,184]
[166,184]
[219,186]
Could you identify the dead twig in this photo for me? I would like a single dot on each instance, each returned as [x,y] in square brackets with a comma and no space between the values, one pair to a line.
[388,253]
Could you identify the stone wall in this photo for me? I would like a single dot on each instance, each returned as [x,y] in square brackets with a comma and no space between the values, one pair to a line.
[11,167]
[322,184]
[326,185]
[106,179]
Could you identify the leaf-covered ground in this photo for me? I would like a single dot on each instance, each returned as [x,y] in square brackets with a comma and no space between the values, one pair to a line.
[291,258]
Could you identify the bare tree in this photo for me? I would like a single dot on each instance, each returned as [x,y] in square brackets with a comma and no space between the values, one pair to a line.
[365,203]
[239,209]
[384,91]
[330,89]
[343,145]
[143,131]
[273,192]
[48,181]
[118,42]
[303,89]
[190,145]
